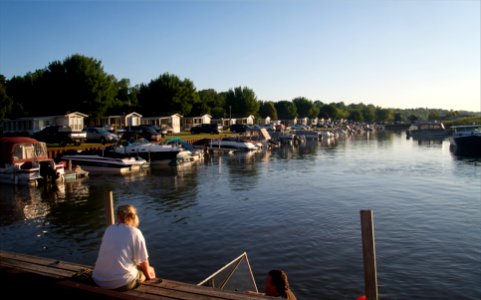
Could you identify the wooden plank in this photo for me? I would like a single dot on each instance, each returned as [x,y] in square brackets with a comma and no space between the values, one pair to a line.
[176,286]
[57,275]
[369,255]
[43,261]
[38,269]
[97,291]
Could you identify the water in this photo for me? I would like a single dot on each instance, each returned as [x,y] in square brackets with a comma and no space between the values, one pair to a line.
[294,208]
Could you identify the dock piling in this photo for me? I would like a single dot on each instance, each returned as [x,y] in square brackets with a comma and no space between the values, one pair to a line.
[369,254]
[109,209]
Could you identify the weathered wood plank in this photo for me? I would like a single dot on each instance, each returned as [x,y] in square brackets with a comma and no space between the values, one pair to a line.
[89,290]
[24,272]
[36,268]
[177,286]
[42,261]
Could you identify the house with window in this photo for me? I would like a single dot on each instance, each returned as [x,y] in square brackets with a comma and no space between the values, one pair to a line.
[189,122]
[115,122]
[30,125]
[264,121]
[164,122]
[225,122]
[249,120]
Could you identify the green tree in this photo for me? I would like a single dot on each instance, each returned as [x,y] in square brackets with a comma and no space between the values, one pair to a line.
[434,115]
[241,101]
[329,111]
[168,95]
[369,113]
[286,110]
[5,101]
[211,102]
[26,96]
[384,115]
[356,115]
[79,83]
[268,109]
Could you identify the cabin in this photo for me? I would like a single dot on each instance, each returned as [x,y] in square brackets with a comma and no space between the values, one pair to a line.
[171,122]
[189,122]
[264,121]
[225,122]
[115,122]
[30,125]
[249,120]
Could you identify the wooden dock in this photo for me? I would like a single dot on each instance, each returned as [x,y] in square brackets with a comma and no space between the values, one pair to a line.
[26,275]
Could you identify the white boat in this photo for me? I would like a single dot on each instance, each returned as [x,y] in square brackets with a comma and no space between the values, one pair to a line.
[233,144]
[427,131]
[96,164]
[466,140]
[153,153]
[25,161]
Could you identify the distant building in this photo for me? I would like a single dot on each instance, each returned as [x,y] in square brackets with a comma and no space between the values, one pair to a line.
[115,122]
[189,122]
[30,125]
[165,122]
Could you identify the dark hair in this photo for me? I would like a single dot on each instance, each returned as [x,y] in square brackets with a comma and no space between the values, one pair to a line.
[279,280]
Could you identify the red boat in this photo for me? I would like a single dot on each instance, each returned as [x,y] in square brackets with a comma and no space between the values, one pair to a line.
[24,161]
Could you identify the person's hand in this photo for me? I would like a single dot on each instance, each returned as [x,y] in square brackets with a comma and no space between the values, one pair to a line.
[151,273]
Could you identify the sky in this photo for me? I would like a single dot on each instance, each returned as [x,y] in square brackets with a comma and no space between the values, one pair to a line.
[389,53]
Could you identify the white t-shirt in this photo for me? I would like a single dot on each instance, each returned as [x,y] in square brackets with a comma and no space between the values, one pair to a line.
[123,248]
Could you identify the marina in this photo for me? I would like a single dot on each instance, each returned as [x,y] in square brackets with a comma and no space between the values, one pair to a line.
[292,207]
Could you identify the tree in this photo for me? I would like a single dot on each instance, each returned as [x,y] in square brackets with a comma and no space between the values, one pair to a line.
[241,102]
[79,84]
[369,113]
[168,95]
[355,115]
[26,95]
[384,115]
[211,102]
[286,110]
[329,111]
[268,109]
[306,108]
[5,101]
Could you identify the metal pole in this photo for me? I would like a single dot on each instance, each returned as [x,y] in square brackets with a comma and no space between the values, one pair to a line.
[369,254]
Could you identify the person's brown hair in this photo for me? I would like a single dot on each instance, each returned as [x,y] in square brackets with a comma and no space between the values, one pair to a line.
[279,280]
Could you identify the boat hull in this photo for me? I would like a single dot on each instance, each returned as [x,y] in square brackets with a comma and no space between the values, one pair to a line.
[99,165]
[468,145]
[21,177]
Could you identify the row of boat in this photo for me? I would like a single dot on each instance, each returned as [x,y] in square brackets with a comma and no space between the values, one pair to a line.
[25,161]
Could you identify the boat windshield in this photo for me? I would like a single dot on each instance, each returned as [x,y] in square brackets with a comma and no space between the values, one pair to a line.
[29,151]
[234,276]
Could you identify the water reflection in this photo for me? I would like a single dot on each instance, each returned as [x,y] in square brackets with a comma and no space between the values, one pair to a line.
[292,208]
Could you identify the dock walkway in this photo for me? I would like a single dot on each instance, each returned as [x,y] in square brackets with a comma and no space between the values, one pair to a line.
[26,275]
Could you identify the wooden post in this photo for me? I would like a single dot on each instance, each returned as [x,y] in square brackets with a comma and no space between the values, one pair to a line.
[109,209]
[369,254]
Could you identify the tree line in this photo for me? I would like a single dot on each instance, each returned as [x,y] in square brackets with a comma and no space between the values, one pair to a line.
[79,83]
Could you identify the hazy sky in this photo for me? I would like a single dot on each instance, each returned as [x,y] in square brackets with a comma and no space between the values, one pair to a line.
[390,53]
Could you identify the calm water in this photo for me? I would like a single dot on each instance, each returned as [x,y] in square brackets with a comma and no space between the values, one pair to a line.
[292,208]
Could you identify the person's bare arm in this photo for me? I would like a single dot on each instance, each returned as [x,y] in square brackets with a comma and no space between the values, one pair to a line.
[148,271]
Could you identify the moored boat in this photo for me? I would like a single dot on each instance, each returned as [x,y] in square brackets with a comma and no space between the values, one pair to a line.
[233,144]
[466,140]
[427,131]
[153,153]
[25,161]
[98,165]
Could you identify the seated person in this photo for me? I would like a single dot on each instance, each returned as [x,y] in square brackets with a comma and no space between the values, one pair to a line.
[122,263]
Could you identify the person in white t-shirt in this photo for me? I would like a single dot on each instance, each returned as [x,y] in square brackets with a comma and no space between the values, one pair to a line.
[123,261]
